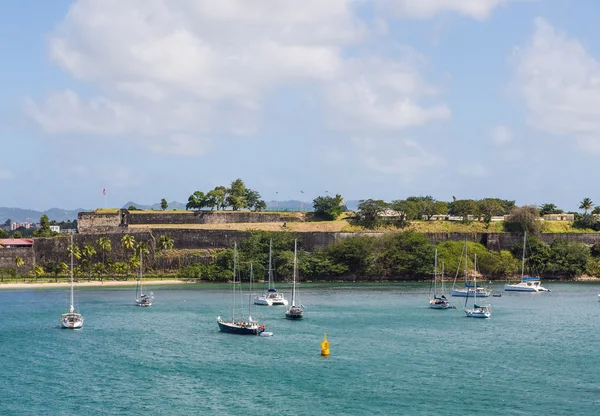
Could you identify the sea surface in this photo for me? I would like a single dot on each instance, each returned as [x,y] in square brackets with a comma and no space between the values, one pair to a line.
[539,354]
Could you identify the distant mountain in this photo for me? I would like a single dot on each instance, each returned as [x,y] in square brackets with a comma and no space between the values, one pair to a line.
[30,215]
[60,214]
[172,205]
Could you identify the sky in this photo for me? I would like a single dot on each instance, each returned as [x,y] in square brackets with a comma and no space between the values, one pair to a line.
[379,99]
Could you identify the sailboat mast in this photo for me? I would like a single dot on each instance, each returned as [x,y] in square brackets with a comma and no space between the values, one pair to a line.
[141,266]
[435,275]
[442,277]
[250,294]
[475,281]
[270,265]
[294,276]
[523,259]
[234,263]
[72,308]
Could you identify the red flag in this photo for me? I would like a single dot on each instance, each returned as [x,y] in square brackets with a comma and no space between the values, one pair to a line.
[104,191]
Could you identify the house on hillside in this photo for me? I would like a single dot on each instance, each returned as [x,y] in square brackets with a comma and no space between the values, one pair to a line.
[559,217]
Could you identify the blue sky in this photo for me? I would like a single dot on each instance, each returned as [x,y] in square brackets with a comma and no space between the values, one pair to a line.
[367,98]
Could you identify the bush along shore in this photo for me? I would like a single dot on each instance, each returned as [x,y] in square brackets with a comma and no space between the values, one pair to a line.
[406,256]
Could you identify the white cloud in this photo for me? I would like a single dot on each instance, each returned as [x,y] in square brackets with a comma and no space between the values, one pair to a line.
[5,175]
[179,72]
[405,158]
[423,9]
[559,82]
[374,94]
[182,145]
[473,170]
[501,135]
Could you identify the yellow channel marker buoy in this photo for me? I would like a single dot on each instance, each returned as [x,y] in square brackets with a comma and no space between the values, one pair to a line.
[325,346]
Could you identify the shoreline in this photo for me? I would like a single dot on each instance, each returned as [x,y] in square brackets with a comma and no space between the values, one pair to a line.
[106,283]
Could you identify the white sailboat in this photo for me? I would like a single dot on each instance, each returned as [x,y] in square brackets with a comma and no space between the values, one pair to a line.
[72,319]
[527,283]
[272,297]
[437,302]
[295,311]
[469,290]
[478,311]
[141,298]
[241,326]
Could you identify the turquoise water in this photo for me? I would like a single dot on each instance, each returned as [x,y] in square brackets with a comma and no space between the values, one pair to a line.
[390,354]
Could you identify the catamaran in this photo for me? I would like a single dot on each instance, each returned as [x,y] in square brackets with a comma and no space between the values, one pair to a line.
[141,298]
[527,283]
[295,311]
[72,319]
[240,326]
[272,297]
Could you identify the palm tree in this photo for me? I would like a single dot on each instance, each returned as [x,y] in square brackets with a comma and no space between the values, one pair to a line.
[586,204]
[104,246]
[76,251]
[128,242]
[165,242]
[18,263]
[88,252]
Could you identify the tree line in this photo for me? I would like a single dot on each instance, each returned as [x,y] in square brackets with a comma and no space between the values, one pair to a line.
[237,196]
[408,256]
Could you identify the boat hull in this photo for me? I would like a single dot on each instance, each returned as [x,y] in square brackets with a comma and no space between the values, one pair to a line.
[283,302]
[72,321]
[294,313]
[521,288]
[439,305]
[463,293]
[477,313]
[262,300]
[240,329]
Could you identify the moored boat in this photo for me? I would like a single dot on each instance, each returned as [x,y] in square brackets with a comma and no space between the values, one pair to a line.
[71,319]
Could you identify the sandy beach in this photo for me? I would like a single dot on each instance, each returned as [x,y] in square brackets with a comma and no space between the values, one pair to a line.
[106,283]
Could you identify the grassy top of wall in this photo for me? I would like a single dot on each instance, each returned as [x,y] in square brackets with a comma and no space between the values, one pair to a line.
[343,225]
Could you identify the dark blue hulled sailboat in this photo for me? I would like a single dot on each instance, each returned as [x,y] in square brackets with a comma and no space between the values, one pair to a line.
[294,311]
[240,326]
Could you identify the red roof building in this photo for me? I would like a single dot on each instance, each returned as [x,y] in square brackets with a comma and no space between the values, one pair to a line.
[16,242]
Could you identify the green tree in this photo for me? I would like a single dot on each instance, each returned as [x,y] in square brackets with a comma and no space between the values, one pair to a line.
[427,206]
[38,271]
[3,234]
[44,230]
[76,251]
[329,207]
[132,208]
[369,212]
[236,197]
[596,210]
[253,200]
[128,243]
[63,269]
[217,198]
[568,258]
[142,247]
[165,242]
[464,208]
[488,208]
[17,234]
[18,263]
[546,209]
[197,201]
[537,254]
[164,204]
[586,204]
[526,218]
[104,246]
[88,252]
